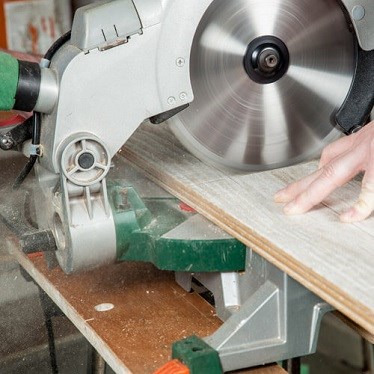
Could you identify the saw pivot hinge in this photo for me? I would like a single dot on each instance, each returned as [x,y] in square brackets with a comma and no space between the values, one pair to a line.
[355,111]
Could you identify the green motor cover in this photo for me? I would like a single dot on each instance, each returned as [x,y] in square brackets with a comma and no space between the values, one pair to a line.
[9,75]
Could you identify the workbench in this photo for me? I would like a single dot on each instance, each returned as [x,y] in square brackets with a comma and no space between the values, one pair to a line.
[150,311]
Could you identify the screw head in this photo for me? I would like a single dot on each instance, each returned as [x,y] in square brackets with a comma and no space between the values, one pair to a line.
[172,100]
[6,143]
[358,12]
[268,60]
[180,62]
[271,61]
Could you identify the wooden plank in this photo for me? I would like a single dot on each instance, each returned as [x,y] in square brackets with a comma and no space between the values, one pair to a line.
[150,311]
[332,259]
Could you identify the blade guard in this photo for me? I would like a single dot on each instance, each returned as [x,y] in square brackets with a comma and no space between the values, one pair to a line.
[355,111]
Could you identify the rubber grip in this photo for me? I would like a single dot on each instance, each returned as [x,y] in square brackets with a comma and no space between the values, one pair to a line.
[9,74]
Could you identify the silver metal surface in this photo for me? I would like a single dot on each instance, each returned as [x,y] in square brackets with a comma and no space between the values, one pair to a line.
[104,24]
[267,315]
[238,123]
[48,93]
[362,14]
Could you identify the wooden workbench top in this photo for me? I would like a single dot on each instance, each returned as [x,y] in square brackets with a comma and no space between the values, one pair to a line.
[334,260]
[150,311]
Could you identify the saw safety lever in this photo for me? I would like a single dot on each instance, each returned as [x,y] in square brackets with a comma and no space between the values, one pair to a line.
[355,111]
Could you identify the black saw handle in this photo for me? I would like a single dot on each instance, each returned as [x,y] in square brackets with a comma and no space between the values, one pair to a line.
[355,111]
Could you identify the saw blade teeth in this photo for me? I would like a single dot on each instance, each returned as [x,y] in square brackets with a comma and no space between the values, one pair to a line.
[267,77]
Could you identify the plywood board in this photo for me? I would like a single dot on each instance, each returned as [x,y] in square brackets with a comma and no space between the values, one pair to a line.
[332,259]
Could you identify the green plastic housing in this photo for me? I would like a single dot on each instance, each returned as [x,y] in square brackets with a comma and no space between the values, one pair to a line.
[197,355]
[9,74]
[141,225]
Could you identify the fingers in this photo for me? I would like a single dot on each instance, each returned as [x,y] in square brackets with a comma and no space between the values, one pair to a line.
[340,162]
[365,204]
[336,149]
[332,151]
[335,174]
[290,192]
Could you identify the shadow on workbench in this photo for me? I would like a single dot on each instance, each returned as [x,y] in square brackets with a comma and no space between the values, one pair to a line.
[24,338]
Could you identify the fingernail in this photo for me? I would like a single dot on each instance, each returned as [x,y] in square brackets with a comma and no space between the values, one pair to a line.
[358,213]
[348,216]
[292,209]
[280,196]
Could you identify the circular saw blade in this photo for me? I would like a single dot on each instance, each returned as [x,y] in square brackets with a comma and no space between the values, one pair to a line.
[238,123]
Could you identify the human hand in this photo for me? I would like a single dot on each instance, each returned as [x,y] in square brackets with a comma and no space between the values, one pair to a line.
[340,162]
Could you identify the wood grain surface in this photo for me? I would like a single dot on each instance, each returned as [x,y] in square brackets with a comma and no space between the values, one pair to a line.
[150,311]
[334,260]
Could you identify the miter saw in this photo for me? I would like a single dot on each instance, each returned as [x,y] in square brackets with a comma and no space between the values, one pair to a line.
[245,84]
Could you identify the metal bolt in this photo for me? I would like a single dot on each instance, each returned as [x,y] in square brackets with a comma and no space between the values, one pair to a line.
[123,202]
[6,143]
[268,60]
[355,129]
[271,61]
[86,160]
[358,12]
[172,100]
[183,96]
[180,62]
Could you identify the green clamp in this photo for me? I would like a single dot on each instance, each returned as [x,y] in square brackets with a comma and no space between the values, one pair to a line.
[151,230]
[197,355]
[9,75]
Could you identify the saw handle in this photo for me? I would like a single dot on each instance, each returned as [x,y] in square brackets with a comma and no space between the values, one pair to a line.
[358,105]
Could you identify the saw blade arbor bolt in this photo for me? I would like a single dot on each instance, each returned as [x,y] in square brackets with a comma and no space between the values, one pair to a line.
[266,60]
